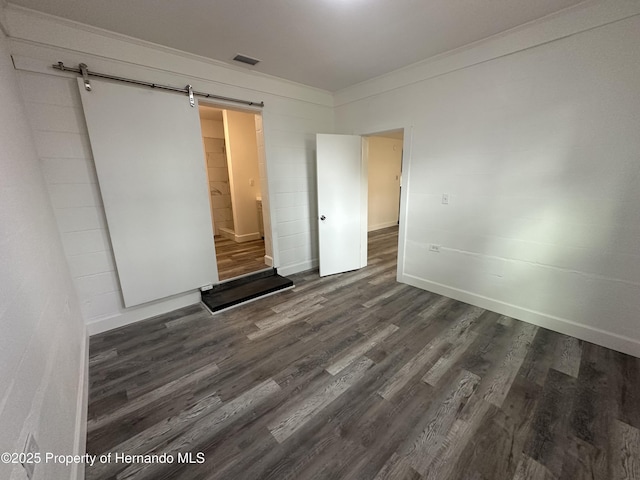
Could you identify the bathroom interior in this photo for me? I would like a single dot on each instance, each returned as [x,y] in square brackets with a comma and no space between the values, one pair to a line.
[231,139]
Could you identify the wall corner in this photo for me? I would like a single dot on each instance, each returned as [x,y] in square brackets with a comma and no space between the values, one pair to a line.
[82,406]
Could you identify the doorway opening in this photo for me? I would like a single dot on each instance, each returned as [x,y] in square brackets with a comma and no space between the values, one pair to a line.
[383,152]
[231,140]
[358,194]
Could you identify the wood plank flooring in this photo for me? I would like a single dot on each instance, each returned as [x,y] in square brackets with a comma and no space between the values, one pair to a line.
[355,376]
[235,259]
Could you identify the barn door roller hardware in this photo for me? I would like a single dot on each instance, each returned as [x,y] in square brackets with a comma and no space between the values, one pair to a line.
[85,76]
[84,71]
[192,100]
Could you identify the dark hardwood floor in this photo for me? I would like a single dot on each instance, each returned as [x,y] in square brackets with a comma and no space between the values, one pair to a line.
[235,259]
[355,376]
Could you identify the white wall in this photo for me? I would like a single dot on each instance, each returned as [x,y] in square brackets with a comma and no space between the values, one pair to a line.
[43,355]
[292,115]
[383,169]
[217,171]
[267,204]
[219,185]
[212,128]
[244,176]
[538,151]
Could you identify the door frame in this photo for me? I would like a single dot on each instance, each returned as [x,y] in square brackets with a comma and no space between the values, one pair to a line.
[407,142]
[267,210]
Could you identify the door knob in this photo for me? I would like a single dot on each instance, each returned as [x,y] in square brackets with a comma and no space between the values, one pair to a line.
[323,218]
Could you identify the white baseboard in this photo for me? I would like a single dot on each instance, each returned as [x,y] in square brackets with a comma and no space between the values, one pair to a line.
[268,260]
[380,226]
[298,267]
[561,325]
[137,314]
[82,405]
[247,237]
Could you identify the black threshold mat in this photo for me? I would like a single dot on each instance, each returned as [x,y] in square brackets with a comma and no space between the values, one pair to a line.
[235,292]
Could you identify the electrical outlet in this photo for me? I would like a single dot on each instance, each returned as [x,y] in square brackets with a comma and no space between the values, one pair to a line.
[31,450]
[445,199]
[434,248]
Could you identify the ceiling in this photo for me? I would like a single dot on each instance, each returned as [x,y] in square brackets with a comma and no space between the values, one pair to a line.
[329,44]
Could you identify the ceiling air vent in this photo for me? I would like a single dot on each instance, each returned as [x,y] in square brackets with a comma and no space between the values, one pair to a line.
[245,59]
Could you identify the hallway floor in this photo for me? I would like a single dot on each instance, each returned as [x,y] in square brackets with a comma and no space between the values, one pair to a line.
[236,259]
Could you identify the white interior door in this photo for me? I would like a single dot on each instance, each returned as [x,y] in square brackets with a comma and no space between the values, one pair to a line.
[150,163]
[342,203]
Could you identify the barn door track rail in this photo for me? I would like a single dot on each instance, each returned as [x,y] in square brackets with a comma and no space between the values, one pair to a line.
[86,73]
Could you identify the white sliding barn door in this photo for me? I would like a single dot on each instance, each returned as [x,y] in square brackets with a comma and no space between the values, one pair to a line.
[342,203]
[151,170]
